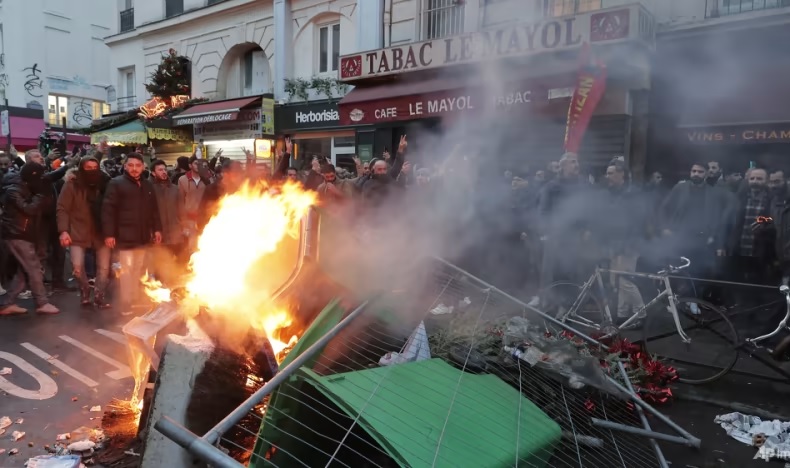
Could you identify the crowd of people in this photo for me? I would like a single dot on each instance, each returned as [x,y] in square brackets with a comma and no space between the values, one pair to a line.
[135,217]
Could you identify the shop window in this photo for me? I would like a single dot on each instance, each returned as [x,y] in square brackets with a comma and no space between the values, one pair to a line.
[58,108]
[442,18]
[569,7]
[328,48]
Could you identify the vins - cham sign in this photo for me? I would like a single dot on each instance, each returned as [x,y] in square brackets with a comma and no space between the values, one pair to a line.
[524,39]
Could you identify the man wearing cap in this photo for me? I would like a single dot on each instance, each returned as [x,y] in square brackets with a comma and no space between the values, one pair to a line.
[26,200]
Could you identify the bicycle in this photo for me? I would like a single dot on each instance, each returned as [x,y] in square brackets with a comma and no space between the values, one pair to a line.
[592,310]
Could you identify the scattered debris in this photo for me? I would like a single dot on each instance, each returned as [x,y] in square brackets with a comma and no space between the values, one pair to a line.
[5,421]
[20,420]
[2,451]
[65,436]
[442,309]
[132,453]
[54,372]
[74,398]
[30,444]
[5,371]
[82,446]
[2,431]
[54,461]
[17,435]
[13,452]
[772,438]
[96,409]
[53,358]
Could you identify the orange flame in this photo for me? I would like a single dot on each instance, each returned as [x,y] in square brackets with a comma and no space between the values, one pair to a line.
[226,274]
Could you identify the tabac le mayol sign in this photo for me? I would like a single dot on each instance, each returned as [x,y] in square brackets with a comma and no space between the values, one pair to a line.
[547,35]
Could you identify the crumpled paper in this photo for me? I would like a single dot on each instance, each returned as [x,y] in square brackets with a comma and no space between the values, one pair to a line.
[743,428]
[54,461]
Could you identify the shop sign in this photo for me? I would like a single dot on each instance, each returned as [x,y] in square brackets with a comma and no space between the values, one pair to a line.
[202,119]
[434,105]
[308,116]
[545,35]
[267,115]
[738,134]
[246,126]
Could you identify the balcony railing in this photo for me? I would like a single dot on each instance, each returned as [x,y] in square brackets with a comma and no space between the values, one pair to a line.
[717,8]
[126,103]
[127,20]
[442,18]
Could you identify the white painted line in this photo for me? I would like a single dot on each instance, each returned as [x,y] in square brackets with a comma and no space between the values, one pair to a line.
[60,365]
[47,387]
[123,370]
[112,335]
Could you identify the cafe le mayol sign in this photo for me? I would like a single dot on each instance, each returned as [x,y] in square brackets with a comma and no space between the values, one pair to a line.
[524,39]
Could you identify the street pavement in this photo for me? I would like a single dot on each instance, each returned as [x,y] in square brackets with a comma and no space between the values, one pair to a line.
[80,354]
[61,366]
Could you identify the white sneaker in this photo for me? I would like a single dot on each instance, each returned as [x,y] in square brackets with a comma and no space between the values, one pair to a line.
[534,302]
[26,294]
[48,309]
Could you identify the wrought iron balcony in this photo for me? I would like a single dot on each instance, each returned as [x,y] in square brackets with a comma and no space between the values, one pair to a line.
[127,20]
[126,103]
[718,8]
[442,18]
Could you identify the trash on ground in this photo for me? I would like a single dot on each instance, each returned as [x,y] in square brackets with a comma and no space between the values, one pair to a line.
[5,421]
[2,451]
[74,398]
[54,461]
[442,309]
[132,453]
[772,437]
[30,444]
[82,446]
[2,431]
[96,409]
[5,371]
[65,436]
[417,349]
[13,452]
[17,435]
[20,420]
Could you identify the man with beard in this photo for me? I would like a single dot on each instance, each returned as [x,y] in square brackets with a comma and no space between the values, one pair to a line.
[165,256]
[752,241]
[693,219]
[376,189]
[714,176]
[780,213]
[25,202]
[562,227]
[79,225]
[131,223]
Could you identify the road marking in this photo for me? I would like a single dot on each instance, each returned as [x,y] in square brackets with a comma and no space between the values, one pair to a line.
[60,365]
[112,335]
[123,370]
[47,386]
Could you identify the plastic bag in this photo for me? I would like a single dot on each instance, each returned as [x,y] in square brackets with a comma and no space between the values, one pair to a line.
[54,461]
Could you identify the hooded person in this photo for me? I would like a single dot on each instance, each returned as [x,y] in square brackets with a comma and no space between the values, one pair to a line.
[182,167]
[25,203]
[79,224]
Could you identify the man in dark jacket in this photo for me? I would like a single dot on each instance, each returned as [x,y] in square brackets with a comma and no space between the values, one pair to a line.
[79,225]
[378,187]
[167,200]
[130,223]
[25,202]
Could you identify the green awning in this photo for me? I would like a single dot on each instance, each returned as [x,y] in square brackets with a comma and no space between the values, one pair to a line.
[411,409]
[130,133]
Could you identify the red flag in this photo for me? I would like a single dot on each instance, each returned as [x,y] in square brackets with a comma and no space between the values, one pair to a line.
[590,87]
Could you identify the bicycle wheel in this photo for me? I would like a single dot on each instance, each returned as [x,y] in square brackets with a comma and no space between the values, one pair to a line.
[712,351]
[558,298]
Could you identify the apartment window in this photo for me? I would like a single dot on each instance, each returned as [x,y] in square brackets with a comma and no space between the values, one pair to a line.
[58,108]
[441,18]
[569,7]
[733,7]
[100,109]
[173,7]
[247,66]
[328,48]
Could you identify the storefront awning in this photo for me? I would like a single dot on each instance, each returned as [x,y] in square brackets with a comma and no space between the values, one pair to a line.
[130,133]
[220,111]
[25,131]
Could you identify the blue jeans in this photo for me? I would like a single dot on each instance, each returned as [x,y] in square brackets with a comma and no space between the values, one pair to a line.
[78,260]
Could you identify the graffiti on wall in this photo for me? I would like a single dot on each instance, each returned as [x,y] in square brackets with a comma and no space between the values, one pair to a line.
[83,111]
[33,83]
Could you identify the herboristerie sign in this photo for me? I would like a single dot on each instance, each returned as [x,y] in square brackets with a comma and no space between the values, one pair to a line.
[546,35]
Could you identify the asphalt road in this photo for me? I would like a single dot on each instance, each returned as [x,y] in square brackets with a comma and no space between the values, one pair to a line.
[61,367]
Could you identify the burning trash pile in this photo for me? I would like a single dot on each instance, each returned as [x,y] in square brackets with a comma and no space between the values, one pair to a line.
[227,301]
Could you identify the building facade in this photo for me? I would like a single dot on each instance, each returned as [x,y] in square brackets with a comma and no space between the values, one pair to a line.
[54,65]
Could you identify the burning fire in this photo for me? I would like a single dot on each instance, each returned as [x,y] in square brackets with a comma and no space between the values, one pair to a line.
[226,273]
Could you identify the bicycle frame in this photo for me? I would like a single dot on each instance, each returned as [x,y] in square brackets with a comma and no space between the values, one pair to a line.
[782,325]
[608,326]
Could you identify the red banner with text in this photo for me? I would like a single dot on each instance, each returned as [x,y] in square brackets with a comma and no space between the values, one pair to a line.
[590,88]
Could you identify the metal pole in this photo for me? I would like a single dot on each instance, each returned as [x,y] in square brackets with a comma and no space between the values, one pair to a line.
[214,434]
[65,138]
[8,137]
[194,444]
[659,454]
[641,432]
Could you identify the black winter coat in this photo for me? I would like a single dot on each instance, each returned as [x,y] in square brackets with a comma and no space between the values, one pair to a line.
[22,211]
[130,213]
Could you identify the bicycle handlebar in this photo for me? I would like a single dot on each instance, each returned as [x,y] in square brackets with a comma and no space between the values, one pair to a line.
[675,269]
